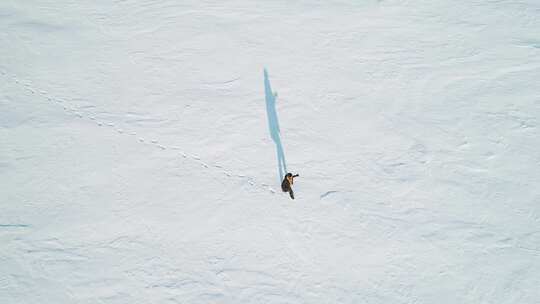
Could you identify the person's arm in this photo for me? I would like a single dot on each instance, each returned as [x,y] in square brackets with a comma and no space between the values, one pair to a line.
[292,178]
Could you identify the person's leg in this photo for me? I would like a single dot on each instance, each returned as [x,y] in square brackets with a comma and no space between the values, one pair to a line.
[291,193]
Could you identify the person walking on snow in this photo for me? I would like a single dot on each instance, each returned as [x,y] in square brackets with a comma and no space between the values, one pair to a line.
[286,185]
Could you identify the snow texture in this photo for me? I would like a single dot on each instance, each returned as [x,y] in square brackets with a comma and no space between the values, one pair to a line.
[142,142]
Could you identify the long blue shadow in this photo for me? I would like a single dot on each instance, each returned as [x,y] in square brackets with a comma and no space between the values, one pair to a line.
[273,126]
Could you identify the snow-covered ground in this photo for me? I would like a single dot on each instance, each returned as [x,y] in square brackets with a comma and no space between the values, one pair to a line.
[139,147]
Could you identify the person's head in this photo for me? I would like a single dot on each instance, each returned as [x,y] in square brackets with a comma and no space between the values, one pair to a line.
[288,175]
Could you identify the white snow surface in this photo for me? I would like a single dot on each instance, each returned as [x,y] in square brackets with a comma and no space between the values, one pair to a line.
[137,163]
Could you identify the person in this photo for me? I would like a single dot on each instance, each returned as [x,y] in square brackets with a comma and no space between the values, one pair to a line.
[286,185]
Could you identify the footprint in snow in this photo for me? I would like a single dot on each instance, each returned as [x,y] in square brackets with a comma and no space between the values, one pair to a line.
[327,193]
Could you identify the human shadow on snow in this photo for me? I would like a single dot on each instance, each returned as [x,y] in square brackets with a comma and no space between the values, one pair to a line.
[273,125]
